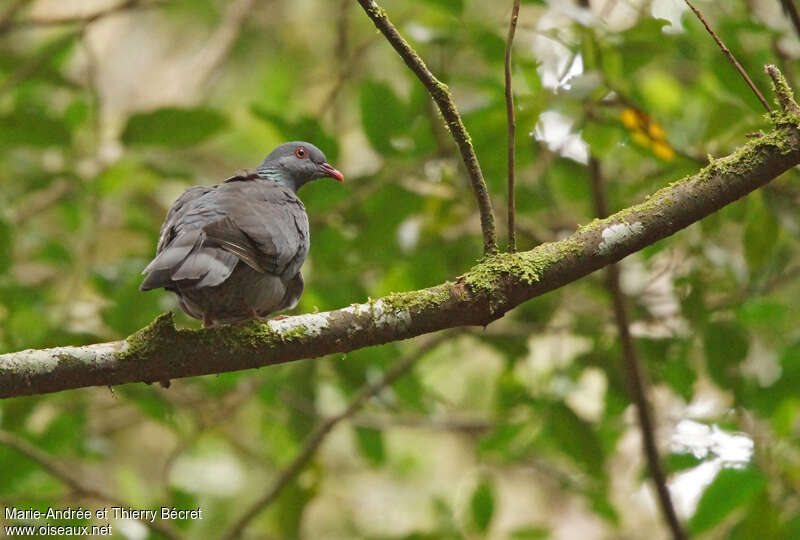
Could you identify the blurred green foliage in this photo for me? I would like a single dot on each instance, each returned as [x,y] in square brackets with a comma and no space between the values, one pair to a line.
[505,433]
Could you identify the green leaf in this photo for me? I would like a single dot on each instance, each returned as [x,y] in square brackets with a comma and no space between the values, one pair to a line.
[680,462]
[662,92]
[791,528]
[289,510]
[302,379]
[149,401]
[761,520]
[6,244]
[601,504]
[726,345]
[482,506]
[454,6]
[370,444]
[760,233]
[173,127]
[500,441]
[510,391]
[730,489]
[130,309]
[383,115]
[645,42]
[182,499]
[677,371]
[28,324]
[576,438]
[411,392]
[33,128]
[602,138]
[486,40]
[763,312]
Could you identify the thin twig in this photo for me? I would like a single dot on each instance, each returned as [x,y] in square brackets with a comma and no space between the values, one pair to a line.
[7,18]
[730,56]
[633,368]
[347,69]
[316,438]
[90,17]
[441,95]
[467,426]
[39,202]
[74,482]
[38,62]
[786,277]
[791,11]
[220,43]
[341,53]
[93,86]
[512,128]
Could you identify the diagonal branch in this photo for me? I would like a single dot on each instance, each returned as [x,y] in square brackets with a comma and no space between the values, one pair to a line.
[441,95]
[320,433]
[730,56]
[491,288]
[633,369]
[512,127]
[68,477]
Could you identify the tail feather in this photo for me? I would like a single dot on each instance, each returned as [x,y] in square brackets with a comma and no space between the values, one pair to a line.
[174,253]
[156,280]
[187,260]
[210,265]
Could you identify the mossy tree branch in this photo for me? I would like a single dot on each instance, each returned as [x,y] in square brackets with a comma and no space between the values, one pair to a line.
[491,288]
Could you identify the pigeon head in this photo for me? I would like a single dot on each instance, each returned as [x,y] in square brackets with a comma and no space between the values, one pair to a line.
[294,164]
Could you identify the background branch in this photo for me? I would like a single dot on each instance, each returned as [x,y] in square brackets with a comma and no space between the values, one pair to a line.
[441,95]
[83,19]
[633,368]
[791,12]
[320,433]
[77,484]
[7,18]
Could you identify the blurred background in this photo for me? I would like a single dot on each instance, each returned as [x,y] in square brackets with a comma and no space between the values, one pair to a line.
[524,430]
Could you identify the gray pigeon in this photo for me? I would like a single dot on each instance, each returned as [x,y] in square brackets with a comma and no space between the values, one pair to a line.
[233,251]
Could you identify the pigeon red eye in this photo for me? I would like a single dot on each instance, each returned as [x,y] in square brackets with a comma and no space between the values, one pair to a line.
[300,152]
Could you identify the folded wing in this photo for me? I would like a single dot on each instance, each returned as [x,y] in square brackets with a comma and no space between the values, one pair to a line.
[208,230]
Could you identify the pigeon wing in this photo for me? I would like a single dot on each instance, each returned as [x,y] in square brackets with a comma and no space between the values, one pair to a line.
[265,225]
[183,254]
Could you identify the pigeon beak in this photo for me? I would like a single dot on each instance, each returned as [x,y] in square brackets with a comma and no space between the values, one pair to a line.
[329,171]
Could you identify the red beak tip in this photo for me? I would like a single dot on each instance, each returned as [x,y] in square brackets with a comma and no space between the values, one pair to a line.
[332,172]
